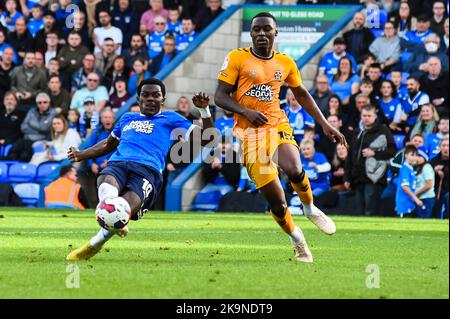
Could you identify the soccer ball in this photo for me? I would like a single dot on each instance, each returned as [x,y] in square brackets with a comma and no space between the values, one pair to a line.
[113,213]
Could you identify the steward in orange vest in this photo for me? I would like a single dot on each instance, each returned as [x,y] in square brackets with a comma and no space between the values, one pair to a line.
[65,191]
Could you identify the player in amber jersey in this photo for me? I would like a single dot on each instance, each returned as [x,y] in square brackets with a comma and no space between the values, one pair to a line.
[249,85]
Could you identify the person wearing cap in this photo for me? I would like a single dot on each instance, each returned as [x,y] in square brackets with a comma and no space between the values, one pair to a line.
[92,89]
[89,119]
[413,39]
[330,61]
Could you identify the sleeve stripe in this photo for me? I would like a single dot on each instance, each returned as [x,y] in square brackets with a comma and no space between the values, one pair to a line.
[114,135]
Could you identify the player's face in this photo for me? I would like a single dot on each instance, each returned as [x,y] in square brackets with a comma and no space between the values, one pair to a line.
[263,33]
[151,99]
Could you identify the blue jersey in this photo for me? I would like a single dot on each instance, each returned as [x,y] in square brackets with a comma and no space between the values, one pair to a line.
[155,44]
[32,3]
[175,28]
[415,37]
[147,140]
[298,120]
[409,105]
[225,125]
[403,202]
[183,40]
[35,25]
[431,145]
[391,108]
[314,176]
[10,25]
[402,93]
[330,61]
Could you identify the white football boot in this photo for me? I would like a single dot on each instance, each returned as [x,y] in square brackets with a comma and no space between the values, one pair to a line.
[322,221]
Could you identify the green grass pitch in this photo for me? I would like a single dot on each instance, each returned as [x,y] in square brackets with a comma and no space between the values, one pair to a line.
[187,255]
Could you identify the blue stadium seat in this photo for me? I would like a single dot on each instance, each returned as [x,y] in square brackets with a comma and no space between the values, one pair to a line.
[44,170]
[399,139]
[22,173]
[39,148]
[207,201]
[28,193]
[3,173]
[4,149]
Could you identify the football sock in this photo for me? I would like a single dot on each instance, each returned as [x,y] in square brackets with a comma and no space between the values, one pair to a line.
[107,190]
[296,236]
[303,189]
[286,223]
[102,237]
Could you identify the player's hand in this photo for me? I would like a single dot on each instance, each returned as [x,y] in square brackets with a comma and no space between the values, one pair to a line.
[170,167]
[74,155]
[255,117]
[201,100]
[334,135]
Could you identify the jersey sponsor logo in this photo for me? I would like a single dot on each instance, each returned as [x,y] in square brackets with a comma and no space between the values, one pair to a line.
[262,92]
[252,74]
[140,127]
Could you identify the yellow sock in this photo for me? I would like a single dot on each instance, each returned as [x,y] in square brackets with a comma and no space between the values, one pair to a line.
[303,189]
[286,223]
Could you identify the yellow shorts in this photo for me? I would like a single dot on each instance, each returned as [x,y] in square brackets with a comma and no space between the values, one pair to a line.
[258,148]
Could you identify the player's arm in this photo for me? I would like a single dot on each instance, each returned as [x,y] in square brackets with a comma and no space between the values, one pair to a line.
[103,147]
[307,102]
[209,133]
[410,193]
[224,100]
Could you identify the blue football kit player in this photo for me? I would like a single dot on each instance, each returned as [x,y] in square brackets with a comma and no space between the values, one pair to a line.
[141,143]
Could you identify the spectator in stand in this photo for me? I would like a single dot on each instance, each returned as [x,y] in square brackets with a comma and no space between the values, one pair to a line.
[52,47]
[37,122]
[173,22]
[118,70]
[39,61]
[426,122]
[10,15]
[92,89]
[140,73]
[168,54]
[207,14]
[89,119]
[27,81]
[372,146]
[403,19]
[35,23]
[10,120]
[440,164]
[70,56]
[391,106]
[62,138]
[345,82]
[187,34]
[445,37]
[63,14]
[49,25]
[80,27]
[298,117]
[106,30]
[330,61]
[4,45]
[79,78]
[156,9]
[183,108]
[326,145]
[321,93]
[402,91]
[6,67]
[413,102]
[359,38]
[120,94]
[107,119]
[338,168]
[137,50]
[73,120]
[425,189]
[438,18]
[21,39]
[60,97]
[66,191]
[363,69]
[225,123]
[53,69]
[435,84]
[354,114]
[411,39]
[105,58]
[334,106]
[433,140]
[156,39]
[375,75]
[417,64]
[125,18]
[387,49]
[316,166]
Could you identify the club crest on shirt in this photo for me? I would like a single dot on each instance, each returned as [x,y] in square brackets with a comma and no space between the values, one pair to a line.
[252,74]
[278,75]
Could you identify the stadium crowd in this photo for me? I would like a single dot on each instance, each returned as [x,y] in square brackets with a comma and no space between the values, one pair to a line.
[384,86]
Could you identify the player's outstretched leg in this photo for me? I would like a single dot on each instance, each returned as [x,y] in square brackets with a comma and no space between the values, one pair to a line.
[275,196]
[289,161]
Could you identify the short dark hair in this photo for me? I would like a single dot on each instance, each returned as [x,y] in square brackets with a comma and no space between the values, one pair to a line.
[413,78]
[444,117]
[411,149]
[366,81]
[151,81]
[264,15]
[375,65]
[108,39]
[370,108]
[64,170]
